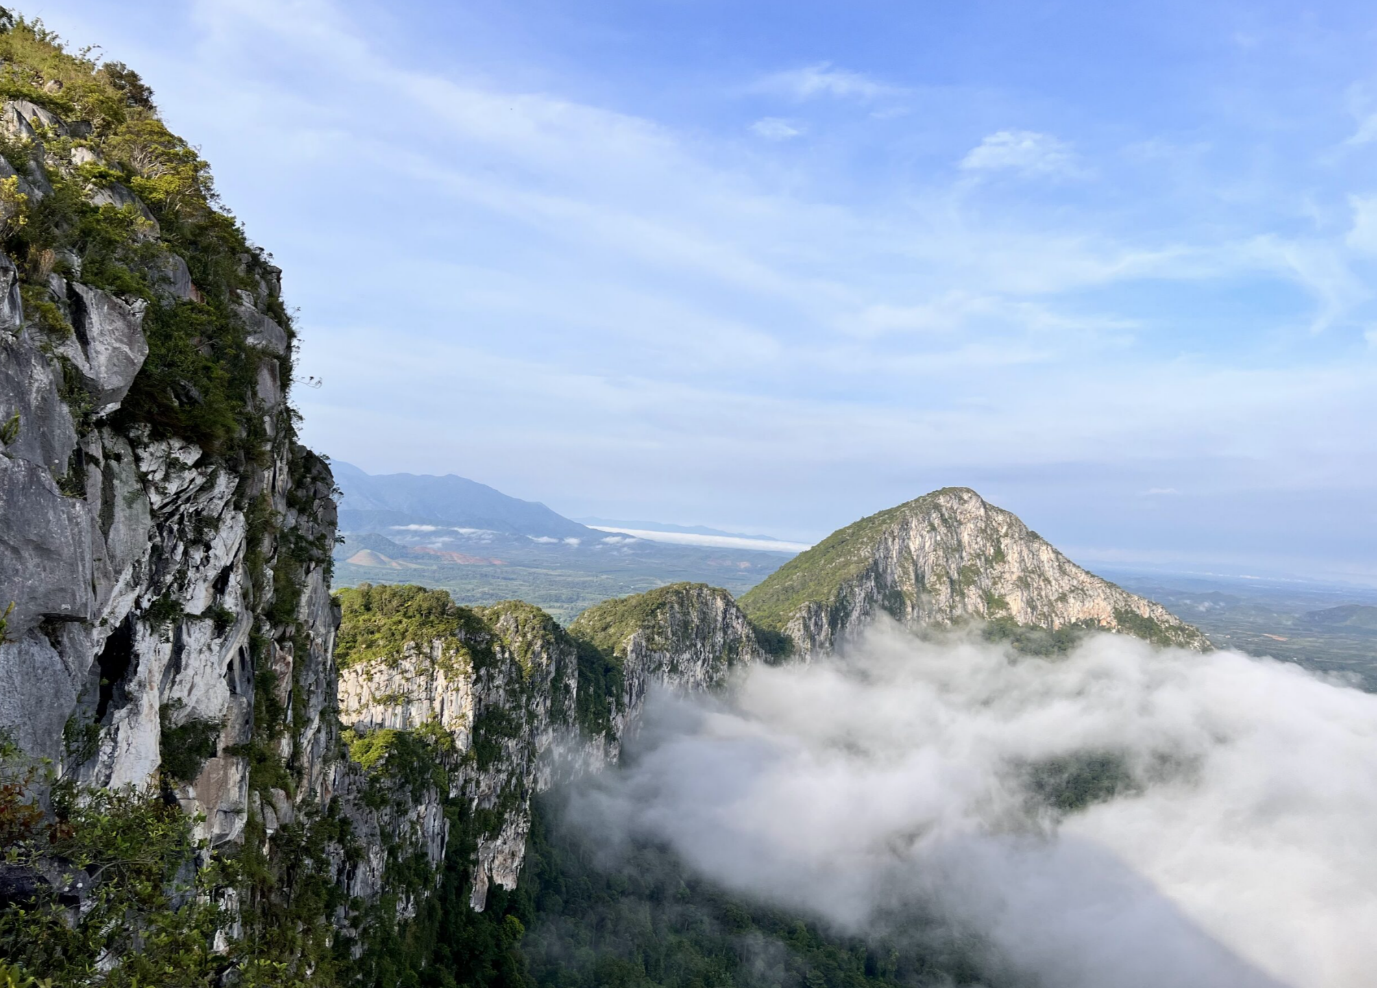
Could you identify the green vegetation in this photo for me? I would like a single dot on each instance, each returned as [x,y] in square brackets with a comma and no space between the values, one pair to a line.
[380,620]
[1030,639]
[1072,782]
[1152,630]
[186,747]
[111,855]
[818,574]
[410,761]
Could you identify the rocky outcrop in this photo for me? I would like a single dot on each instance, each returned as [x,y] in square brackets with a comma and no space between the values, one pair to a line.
[684,637]
[517,702]
[943,559]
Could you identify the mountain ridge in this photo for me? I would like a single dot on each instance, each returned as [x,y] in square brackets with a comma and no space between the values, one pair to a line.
[381,501]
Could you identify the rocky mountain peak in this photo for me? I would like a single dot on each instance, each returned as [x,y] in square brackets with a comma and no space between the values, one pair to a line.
[942,559]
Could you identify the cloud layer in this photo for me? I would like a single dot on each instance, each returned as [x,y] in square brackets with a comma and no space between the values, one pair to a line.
[1119,816]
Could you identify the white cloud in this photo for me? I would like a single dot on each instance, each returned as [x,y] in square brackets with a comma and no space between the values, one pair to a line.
[709,541]
[776,129]
[1362,235]
[824,80]
[1155,491]
[1366,132]
[572,541]
[1228,844]
[542,539]
[1023,151]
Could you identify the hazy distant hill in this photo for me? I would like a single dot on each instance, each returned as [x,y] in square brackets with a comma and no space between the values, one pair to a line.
[1357,616]
[381,503]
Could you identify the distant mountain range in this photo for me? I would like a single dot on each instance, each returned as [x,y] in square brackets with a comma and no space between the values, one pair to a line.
[398,501]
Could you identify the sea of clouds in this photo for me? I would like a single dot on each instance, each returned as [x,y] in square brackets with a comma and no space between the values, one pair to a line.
[1230,843]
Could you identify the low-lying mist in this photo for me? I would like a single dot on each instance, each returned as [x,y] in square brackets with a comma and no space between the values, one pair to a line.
[1118,816]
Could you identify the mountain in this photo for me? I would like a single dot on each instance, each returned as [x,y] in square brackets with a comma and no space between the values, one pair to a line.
[382,502]
[941,559]
[1358,616]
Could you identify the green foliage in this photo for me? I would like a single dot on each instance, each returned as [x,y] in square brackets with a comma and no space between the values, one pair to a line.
[186,747]
[412,761]
[1033,640]
[196,376]
[380,620]
[13,977]
[600,685]
[127,856]
[1072,782]
[1152,630]
[165,610]
[9,430]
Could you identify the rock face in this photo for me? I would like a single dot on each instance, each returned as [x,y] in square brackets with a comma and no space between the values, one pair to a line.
[684,637]
[141,586]
[164,541]
[942,559]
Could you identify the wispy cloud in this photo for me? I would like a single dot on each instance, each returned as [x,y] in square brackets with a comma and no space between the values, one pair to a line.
[1023,151]
[1362,235]
[823,79]
[776,128]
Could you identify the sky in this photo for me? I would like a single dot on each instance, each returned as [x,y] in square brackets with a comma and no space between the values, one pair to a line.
[772,266]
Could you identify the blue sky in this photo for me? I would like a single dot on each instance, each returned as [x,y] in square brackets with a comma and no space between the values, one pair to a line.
[773,266]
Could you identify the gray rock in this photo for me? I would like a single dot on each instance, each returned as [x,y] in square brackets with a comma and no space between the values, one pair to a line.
[82,155]
[11,308]
[36,693]
[108,346]
[263,332]
[29,386]
[19,116]
[172,278]
[45,559]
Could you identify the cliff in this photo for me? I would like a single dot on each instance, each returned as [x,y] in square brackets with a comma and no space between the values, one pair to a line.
[942,559]
[164,541]
[502,702]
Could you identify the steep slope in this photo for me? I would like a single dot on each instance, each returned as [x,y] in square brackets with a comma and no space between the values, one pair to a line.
[941,559]
[167,731]
[376,503]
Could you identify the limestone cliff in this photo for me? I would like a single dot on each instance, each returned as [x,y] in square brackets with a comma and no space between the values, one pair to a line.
[164,540]
[508,702]
[939,560]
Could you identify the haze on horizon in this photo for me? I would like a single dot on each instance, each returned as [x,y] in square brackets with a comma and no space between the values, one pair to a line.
[772,267]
